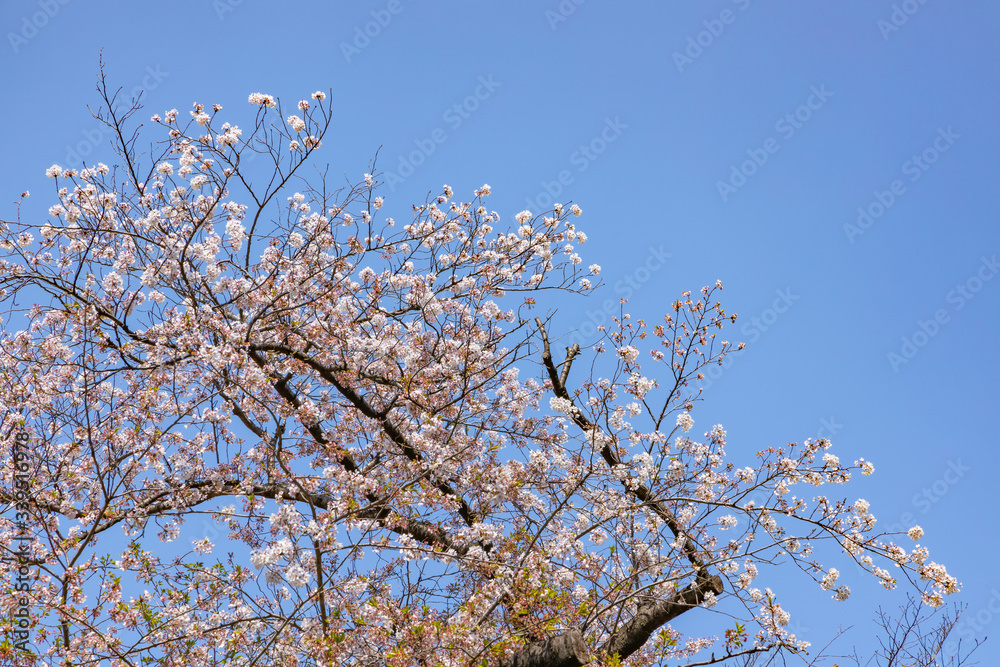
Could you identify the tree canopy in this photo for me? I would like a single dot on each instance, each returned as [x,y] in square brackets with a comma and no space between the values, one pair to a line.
[407,467]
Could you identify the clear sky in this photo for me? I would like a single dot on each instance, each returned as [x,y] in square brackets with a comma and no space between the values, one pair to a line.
[833,163]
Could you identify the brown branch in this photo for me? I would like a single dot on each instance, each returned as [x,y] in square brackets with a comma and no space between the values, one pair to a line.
[570,649]
[630,637]
[610,456]
[566,650]
[365,408]
[421,531]
[729,656]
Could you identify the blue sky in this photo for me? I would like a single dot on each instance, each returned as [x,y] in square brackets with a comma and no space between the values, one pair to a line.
[833,163]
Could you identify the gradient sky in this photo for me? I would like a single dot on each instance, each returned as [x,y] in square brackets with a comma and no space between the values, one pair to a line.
[833,163]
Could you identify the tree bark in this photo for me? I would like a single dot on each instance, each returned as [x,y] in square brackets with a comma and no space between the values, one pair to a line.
[570,650]
[566,650]
[630,637]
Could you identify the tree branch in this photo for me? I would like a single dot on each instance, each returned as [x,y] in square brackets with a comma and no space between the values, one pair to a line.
[632,635]
[566,650]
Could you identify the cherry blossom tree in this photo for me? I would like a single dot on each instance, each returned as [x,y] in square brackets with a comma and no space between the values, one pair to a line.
[403,465]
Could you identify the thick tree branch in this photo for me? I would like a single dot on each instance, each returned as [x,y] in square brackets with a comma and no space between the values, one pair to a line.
[566,650]
[608,453]
[632,635]
[365,408]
